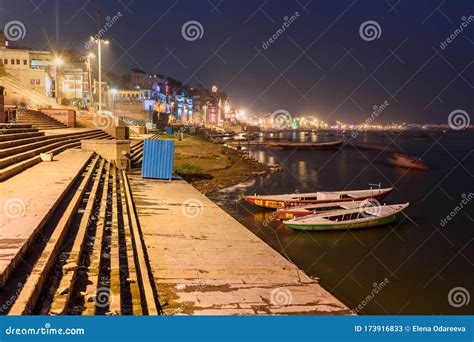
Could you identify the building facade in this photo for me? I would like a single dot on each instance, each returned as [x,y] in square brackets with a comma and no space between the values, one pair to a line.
[32,69]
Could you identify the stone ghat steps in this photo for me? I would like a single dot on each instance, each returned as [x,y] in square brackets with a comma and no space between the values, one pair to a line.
[13,125]
[39,120]
[136,152]
[19,160]
[17,136]
[10,148]
[93,261]
[14,130]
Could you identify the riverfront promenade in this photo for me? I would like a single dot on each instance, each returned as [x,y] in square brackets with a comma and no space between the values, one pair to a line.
[206,263]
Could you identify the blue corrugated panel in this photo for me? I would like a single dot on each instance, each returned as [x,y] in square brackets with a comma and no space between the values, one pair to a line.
[158,158]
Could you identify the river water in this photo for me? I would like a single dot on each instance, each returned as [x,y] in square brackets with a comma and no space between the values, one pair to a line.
[420,265]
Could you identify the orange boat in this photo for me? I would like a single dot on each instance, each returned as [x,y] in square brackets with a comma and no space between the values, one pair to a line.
[292,200]
[408,162]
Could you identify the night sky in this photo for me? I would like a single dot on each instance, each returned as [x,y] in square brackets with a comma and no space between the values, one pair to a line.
[319,65]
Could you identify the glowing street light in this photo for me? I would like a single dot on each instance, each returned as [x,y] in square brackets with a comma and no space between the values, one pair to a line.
[99,41]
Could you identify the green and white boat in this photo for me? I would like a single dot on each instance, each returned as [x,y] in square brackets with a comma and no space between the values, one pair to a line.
[363,217]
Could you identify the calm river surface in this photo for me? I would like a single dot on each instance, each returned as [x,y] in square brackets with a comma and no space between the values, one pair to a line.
[418,260]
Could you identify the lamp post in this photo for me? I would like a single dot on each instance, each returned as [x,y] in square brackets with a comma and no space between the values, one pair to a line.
[99,41]
[57,62]
[88,63]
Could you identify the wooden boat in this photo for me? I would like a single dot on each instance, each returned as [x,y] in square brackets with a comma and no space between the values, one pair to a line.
[305,145]
[408,162]
[291,200]
[292,212]
[349,219]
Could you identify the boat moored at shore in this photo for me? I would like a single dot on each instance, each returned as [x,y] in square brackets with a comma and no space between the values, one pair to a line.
[364,217]
[300,199]
[293,212]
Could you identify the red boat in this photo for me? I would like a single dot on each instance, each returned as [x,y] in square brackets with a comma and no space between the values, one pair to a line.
[407,162]
[292,200]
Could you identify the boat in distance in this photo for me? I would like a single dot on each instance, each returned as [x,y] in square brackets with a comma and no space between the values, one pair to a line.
[299,199]
[305,145]
[300,211]
[407,162]
[364,217]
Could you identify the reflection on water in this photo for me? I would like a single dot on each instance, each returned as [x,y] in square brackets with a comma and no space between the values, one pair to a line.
[421,260]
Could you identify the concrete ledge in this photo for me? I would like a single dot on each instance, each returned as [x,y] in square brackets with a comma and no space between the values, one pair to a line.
[137,129]
[115,151]
[119,133]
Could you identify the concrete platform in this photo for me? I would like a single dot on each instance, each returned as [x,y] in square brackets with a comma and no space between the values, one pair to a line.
[66,130]
[206,263]
[28,199]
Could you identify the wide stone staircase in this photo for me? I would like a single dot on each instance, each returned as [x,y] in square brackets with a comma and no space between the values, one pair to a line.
[21,146]
[38,120]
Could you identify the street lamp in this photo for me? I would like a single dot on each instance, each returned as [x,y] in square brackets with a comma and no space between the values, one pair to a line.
[88,63]
[99,43]
[57,62]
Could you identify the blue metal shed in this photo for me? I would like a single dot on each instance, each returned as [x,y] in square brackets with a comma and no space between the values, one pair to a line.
[158,158]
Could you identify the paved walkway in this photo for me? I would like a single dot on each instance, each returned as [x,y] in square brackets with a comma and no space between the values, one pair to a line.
[27,200]
[206,263]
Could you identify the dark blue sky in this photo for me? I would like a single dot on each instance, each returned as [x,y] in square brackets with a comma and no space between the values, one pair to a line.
[319,65]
